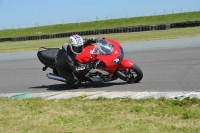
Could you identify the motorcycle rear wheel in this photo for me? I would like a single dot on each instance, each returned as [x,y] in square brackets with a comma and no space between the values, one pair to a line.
[133,74]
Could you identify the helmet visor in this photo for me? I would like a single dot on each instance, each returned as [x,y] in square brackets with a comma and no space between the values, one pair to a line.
[77,50]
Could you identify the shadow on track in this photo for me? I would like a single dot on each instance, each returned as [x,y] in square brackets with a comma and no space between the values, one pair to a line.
[64,87]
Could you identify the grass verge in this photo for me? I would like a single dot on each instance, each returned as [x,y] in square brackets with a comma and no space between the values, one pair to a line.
[103,24]
[99,115]
[121,37]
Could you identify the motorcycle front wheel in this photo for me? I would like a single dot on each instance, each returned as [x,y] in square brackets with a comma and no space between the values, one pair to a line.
[133,74]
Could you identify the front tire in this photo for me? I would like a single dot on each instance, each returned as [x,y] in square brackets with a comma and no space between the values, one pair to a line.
[133,74]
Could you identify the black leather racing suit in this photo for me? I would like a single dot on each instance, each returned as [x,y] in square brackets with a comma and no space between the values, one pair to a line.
[68,67]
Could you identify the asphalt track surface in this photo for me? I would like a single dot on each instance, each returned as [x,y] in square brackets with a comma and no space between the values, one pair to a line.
[168,65]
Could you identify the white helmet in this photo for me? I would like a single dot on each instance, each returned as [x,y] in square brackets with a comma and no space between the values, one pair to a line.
[76,44]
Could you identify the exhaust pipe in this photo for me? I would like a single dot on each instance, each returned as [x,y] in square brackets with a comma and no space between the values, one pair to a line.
[56,77]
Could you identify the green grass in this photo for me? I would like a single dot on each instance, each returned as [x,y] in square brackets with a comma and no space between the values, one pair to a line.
[121,37]
[63,28]
[99,115]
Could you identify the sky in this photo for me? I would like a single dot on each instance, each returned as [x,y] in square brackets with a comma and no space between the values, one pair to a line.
[29,13]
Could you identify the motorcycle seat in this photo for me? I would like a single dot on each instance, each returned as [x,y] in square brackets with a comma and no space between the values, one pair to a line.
[48,54]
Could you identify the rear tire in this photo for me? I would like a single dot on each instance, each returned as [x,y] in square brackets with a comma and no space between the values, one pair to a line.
[134,74]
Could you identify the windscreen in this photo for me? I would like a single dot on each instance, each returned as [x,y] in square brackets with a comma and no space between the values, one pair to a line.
[103,47]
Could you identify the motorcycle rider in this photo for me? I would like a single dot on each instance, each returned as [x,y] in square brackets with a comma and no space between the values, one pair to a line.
[66,63]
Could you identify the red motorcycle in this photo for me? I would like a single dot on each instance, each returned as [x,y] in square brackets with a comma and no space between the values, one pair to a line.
[110,63]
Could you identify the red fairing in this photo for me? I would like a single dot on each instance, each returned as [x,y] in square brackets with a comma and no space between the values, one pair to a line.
[86,56]
[125,64]
[111,66]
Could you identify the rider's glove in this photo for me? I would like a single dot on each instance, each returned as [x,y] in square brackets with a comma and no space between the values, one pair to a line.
[88,41]
[91,66]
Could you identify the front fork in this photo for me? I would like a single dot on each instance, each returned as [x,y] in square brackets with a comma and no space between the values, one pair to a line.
[125,64]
